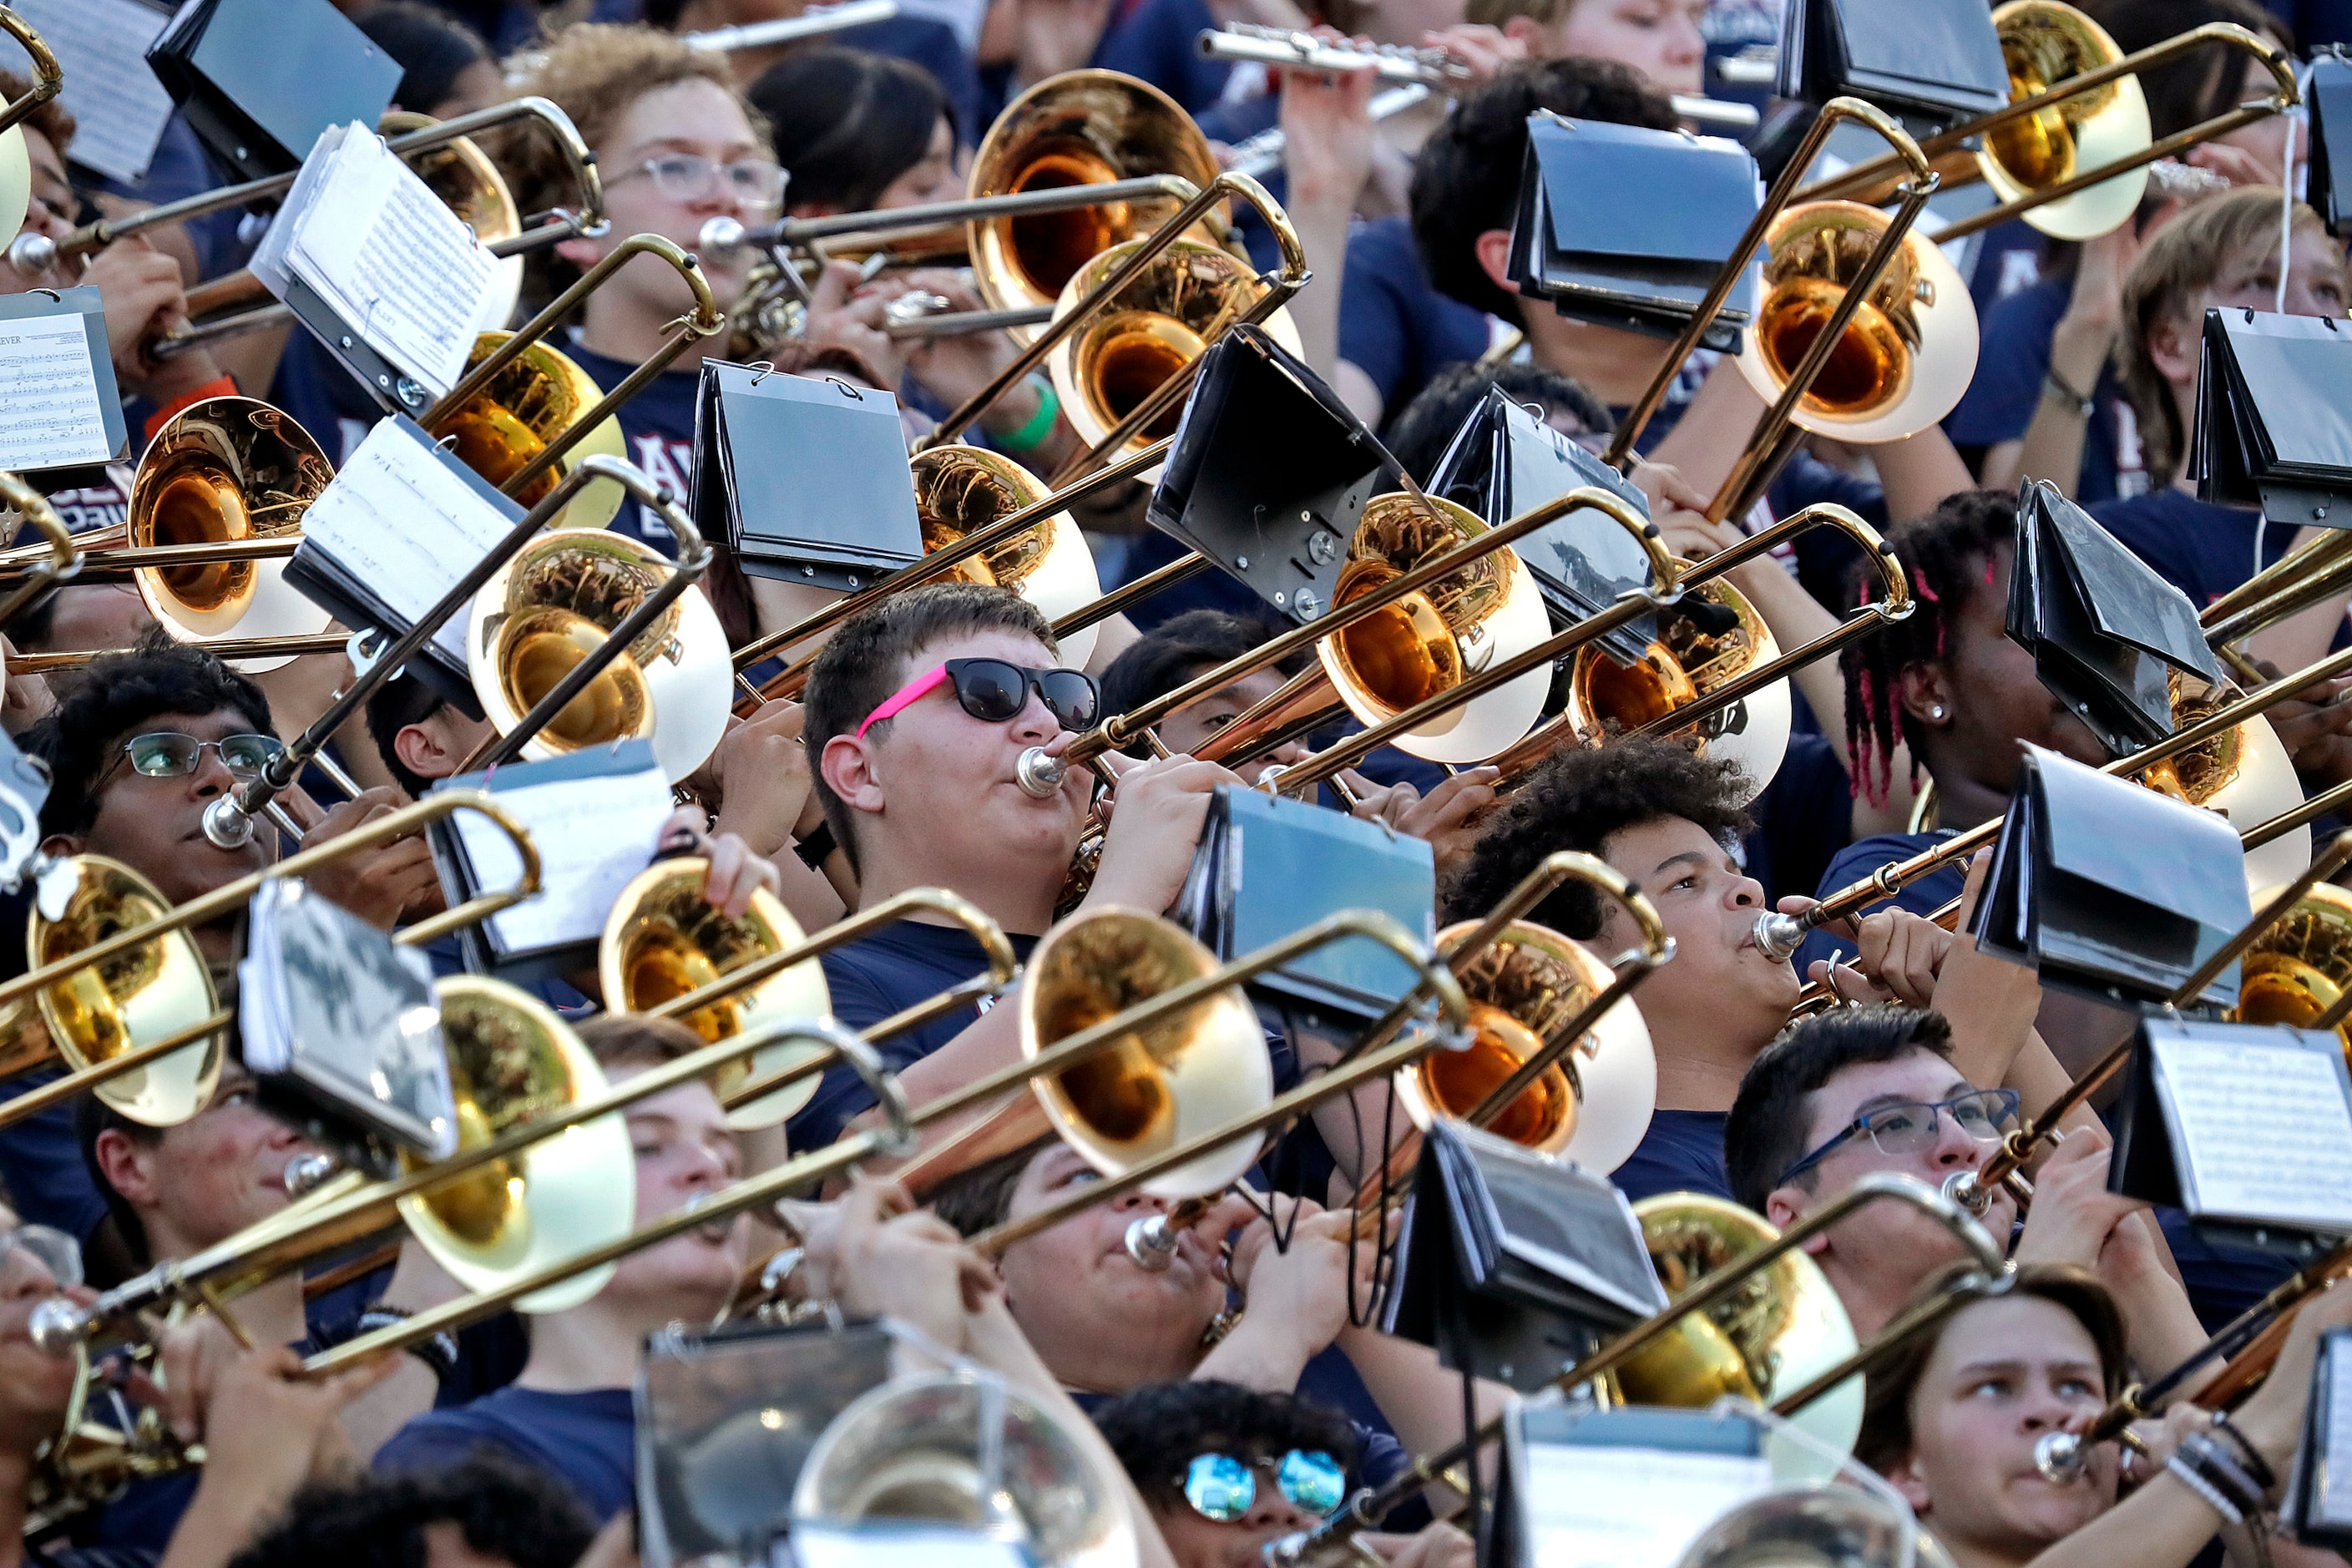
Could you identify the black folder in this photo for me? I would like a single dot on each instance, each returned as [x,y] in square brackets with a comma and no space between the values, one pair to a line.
[2329,171]
[1935,61]
[260,79]
[2104,630]
[2108,888]
[2273,423]
[1593,238]
[1268,473]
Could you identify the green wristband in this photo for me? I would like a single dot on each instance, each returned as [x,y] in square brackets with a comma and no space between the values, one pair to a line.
[1041,424]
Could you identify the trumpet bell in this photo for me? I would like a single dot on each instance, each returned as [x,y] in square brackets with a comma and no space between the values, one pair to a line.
[511,1061]
[960,1449]
[137,997]
[537,397]
[221,470]
[2044,43]
[1524,987]
[1167,1082]
[663,939]
[1906,356]
[1158,324]
[1684,665]
[2245,774]
[1779,1330]
[960,489]
[1427,643]
[470,186]
[2302,965]
[1081,128]
[552,604]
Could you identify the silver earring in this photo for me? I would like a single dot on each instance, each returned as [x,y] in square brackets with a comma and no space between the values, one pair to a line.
[1937,711]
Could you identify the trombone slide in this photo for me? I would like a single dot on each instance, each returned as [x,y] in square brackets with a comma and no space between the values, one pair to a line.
[815,22]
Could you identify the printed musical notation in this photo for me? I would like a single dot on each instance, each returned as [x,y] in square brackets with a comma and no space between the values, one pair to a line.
[2266,1128]
[49,411]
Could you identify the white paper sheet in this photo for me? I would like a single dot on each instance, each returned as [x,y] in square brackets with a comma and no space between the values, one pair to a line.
[2265,1127]
[49,411]
[405,526]
[1590,1506]
[120,107]
[2332,1490]
[592,836]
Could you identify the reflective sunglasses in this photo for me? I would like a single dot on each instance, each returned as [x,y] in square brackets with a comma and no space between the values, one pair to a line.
[1222,1487]
[996,689]
[690,177]
[1984,1114]
[168,754]
[53,1249]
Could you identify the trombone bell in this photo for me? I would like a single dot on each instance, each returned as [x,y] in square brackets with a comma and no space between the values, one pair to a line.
[1427,643]
[2043,43]
[2245,774]
[1908,354]
[526,406]
[1169,1081]
[2302,965]
[960,489]
[663,939]
[511,1061]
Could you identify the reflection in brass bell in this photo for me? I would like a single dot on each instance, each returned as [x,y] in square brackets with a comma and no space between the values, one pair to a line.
[529,404]
[2245,773]
[538,647]
[1168,1081]
[512,1061]
[2302,963]
[960,489]
[1087,127]
[2044,44]
[663,939]
[145,994]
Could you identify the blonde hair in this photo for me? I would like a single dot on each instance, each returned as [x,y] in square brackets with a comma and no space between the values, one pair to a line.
[2172,273]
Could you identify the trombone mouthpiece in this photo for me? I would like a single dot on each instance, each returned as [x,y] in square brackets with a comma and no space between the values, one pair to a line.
[226,824]
[1964,1189]
[1778,935]
[721,236]
[1036,773]
[2059,1457]
[1151,1243]
[305,1172]
[33,253]
[58,1327]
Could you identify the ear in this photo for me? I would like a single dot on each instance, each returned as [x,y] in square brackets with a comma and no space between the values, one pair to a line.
[1524,29]
[421,752]
[1905,1477]
[2174,345]
[123,1163]
[1925,694]
[60,845]
[1493,247]
[852,771]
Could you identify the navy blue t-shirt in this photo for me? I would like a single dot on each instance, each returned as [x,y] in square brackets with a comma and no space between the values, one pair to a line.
[1394,325]
[1851,865]
[874,977]
[589,1441]
[657,427]
[1681,1152]
[1999,402]
[2200,548]
[1155,42]
[928,42]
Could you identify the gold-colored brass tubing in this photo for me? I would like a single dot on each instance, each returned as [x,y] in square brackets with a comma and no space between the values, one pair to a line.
[48,76]
[246,648]
[62,560]
[33,1101]
[121,560]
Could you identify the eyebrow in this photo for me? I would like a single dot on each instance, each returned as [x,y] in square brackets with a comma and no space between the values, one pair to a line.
[1881,1102]
[1690,858]
[687,145]
[2017,1364]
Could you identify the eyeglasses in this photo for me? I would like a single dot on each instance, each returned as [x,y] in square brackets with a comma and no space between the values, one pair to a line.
[1982,1113]
[690,177]
[1222,1487]
[996,689]
[53,1249]
[168,754]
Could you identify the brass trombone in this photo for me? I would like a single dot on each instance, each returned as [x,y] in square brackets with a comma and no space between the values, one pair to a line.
[16,163]
[2032,138]
[61,560]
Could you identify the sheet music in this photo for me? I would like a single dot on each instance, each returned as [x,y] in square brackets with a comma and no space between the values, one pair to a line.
[593,833]
[49,412]
[2332,1467]
[385,255]
[2265,1128]
[399,523]
[1592,1506]
[121,107]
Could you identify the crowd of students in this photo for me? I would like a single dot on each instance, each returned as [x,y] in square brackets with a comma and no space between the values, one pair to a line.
[514,1441]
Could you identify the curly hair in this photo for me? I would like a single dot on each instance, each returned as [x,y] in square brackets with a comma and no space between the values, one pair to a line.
[505,1510]
[80,738]
[1157,1429]
[1769,1121]
[1579,798]
[1466,179]
[1950,556]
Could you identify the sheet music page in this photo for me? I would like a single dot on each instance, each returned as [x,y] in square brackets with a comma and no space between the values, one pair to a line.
[2332,1477]
[593,834]
[399,523]
[1590,1506]
[2265,1127]
[121,107]
[389,257]
[49,411]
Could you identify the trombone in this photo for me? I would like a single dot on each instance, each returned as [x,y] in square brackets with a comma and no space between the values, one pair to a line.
[815,22]
[1329,1541]
[16,163]
[2056,55]
[61,561]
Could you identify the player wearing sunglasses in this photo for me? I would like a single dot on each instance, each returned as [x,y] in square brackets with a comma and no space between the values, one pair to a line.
[1227,1470]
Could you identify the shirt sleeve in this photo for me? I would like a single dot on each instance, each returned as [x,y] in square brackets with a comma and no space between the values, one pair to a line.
[2011,360]
[858,1003]
[1375,328]
[41,1167]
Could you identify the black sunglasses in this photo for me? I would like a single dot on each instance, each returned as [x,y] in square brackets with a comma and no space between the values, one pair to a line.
[994,690]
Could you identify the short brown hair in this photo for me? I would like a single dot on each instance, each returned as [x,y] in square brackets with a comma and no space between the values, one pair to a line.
[635,1040]
[1495,13]
[2176,267]
[1886,1435]
[53,120]
[865,662]
[981,1198]
[593,72]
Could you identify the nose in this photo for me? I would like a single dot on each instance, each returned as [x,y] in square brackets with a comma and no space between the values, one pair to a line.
[1034,725]
[212,776]
[1135,1202]
[1273,1512]
[2045,1411]
[1746,893]
[1684,41]
[1956,1149]
[22,1275]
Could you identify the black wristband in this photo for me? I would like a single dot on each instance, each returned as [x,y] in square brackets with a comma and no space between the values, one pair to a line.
[2221,1472]
[2256,1467]
[814,849]
[439,1352]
